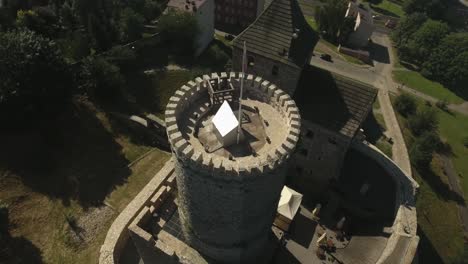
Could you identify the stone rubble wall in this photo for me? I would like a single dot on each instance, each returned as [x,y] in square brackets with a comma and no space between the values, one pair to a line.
[118,234]
[402,244]
[227,206]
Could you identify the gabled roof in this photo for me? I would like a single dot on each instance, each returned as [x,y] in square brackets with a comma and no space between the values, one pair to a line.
[271,35]
[333,102]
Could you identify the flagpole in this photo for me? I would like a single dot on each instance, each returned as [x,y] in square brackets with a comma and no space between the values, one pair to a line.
[241,91]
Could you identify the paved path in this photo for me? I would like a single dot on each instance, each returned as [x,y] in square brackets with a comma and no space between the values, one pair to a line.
[459,108]
[386,84]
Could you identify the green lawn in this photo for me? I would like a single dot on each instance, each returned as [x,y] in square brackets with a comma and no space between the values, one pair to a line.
[453,128]
[439,225]
[416,81]
[223,40]
[388,8]
[312,23]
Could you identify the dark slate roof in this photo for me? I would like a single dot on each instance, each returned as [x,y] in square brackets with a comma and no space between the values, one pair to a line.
[272,34]
[332,101]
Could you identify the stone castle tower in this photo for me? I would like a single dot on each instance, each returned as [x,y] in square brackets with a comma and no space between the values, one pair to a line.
[228,195]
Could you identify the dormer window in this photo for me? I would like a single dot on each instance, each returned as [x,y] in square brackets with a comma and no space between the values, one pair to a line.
[275,70]
[250,61]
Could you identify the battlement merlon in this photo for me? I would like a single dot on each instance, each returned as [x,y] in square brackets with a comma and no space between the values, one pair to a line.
[198,158]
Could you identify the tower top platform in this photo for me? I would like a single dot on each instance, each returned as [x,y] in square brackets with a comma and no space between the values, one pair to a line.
[270,125]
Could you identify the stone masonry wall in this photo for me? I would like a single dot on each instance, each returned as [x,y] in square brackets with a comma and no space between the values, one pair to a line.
[226,206]
[318,159]
[287,77]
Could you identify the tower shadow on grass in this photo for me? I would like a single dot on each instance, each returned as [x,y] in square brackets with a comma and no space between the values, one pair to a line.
[426,251]
[72,158]
[16,249]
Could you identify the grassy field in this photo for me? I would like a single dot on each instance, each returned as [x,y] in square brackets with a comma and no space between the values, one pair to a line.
[416,81]
[312,23]
[453,129]
[388,8]
[56,178]
[439,225]
[346,57]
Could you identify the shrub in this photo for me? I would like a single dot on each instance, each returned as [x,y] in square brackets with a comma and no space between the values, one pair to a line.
[422,149]
[152,9]
[405,105]
[180,30]
[101,79]
[41,20]
[465,142]
[35,79]
[423,121]
[443,105]
[131,25]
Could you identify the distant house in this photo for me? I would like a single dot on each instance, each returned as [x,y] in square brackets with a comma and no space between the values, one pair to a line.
[203,10]
[363,27]
[235,15]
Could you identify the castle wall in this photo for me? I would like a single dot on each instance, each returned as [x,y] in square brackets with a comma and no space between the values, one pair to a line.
[287,77]
[318,159]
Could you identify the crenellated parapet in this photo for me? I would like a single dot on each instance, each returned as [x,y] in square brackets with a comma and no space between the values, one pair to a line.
[196,93]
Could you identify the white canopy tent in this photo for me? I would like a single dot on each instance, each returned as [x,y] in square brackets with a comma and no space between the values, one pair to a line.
[289,203]
[226,123]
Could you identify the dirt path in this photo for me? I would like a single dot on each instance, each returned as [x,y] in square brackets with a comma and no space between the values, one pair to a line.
[459,108]
[455,186]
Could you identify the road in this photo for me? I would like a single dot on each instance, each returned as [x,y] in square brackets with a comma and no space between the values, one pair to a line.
[379,76]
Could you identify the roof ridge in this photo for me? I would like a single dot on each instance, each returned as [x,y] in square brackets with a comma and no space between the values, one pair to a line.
[296,37]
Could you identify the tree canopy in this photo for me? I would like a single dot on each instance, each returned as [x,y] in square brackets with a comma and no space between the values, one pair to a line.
[432,8]
[425,39]
[131,25]
[330,18]
[407,26]
[448,62]
[35,77]
[180,29]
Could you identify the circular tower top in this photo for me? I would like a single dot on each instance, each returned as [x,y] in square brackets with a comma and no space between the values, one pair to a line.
[270,125]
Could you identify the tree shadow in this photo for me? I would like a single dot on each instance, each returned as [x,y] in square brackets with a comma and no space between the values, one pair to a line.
[426,251]
[441,188]
[16,249]
[71,158]
[320,92]
[379,53]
